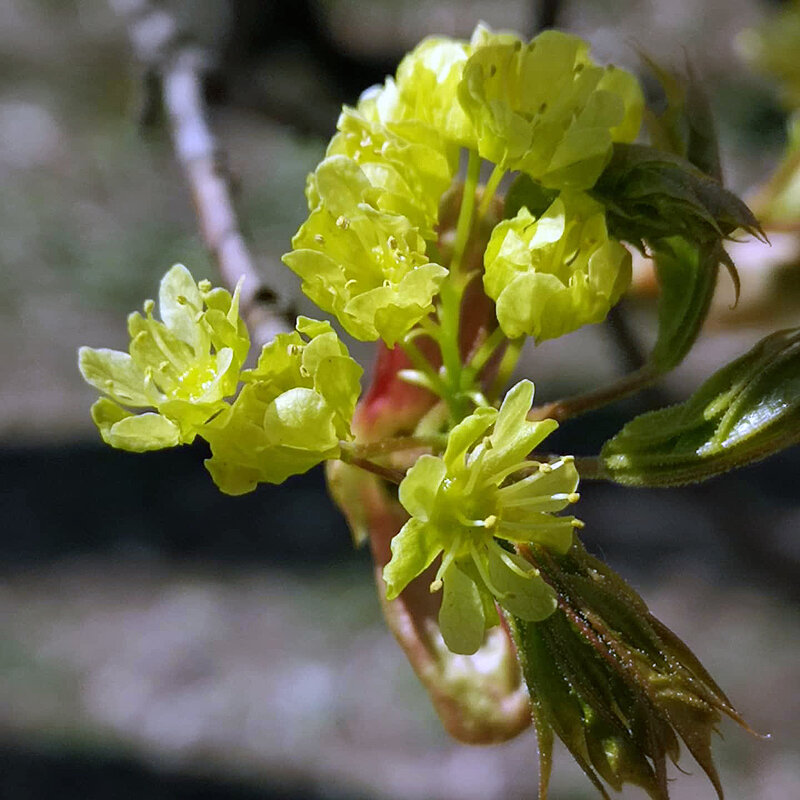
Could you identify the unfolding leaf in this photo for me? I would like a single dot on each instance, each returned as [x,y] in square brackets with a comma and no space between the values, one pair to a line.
[748,410]
[687,275]
[650,193]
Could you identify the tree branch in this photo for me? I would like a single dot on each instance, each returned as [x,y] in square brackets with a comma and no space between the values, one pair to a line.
[179,64]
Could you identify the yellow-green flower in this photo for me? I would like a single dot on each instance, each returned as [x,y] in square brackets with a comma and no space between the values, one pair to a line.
[545,109]
[481,493]
[182,367]
[368,267]
[409,163]
[426,90]
[551,275]
[293,411]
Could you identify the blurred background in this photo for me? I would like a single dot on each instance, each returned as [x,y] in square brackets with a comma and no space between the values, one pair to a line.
[160,640]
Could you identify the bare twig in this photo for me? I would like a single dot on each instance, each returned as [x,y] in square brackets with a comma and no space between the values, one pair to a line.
[179,64]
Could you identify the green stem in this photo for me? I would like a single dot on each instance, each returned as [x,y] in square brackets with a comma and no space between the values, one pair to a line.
[387,473]
[451,294]
[490,189]
[507,365]
[422,364]
[392,445]
[560,410]
[478,360]
[464,224]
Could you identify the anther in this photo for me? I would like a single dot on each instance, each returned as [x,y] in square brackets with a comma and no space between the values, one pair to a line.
[319,238]
[436,585]
[149,305]
[342,222]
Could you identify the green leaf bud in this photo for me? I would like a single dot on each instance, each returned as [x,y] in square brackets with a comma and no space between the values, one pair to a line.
[612,682]
[746,411]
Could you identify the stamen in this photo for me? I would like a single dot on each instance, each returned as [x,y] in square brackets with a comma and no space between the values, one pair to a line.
[484,573]
[540,500]
[511,564]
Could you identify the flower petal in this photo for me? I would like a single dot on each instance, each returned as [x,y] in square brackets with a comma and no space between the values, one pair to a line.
[420,486]
[413,550]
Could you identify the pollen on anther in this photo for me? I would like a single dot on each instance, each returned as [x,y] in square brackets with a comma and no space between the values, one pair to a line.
[149,305]
[545,468]
[573,497]
[436,585]
[204,285]
[579,524]
[342,222]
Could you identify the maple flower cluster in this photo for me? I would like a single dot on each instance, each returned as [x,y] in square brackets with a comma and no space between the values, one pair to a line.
[369,254]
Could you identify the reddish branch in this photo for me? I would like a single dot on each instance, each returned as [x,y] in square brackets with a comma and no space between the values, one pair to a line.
[179,64]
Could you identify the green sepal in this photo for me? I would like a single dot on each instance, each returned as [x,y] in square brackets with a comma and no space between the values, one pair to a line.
[528,596]
[461,617]
[746,411]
